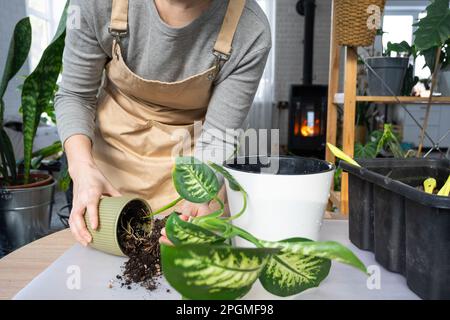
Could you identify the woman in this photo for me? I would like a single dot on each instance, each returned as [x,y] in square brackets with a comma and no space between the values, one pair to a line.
[167,64]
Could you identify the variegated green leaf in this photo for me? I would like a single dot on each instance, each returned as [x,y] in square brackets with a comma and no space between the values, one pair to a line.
[212,272]
[290,273]
[39,88]
[329,250]
[234,185]
[182,232]
[194,180]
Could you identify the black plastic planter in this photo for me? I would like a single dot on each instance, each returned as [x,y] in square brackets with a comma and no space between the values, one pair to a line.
[407,229]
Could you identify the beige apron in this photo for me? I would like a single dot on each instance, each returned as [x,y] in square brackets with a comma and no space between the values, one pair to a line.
[138,121]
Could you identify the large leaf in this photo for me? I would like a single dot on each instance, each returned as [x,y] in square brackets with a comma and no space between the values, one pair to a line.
[194,180]
[434,29]
[17,55]
[38,90]
[328,250]
[234,185]
[182,232]
[213,272]
[290,273]
[367,151]
[402,47]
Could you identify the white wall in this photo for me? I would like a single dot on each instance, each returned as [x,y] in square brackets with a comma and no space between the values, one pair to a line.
[289,53]
[289,46]
[11,11]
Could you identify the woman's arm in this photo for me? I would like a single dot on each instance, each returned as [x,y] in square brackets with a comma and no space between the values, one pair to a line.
[83,64]
[75,105]
[229,107]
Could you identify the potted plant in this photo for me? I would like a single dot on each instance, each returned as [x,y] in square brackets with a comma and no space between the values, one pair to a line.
[389,70]
[26,196]
[203,264]
[120,217]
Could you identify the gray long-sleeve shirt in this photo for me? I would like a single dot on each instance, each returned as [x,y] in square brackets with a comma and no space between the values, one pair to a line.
[156,51]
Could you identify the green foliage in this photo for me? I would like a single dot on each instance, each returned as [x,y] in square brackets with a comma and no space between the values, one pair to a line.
[378,141]
[207,272]
[390,141]
[203,265]
[289,272]
[195,181]
[367,151]
[38,90]
[19,48]
[17,54]
[433,30]
[402,47]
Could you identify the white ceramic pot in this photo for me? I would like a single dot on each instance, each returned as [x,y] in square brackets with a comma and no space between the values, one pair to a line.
[287,196]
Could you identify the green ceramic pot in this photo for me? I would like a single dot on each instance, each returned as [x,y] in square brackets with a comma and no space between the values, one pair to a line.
[110,210]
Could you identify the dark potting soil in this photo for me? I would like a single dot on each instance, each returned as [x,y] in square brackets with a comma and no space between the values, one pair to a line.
[139,239]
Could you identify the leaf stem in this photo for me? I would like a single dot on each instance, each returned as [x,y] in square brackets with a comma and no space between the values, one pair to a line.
[236,216]
[170,205]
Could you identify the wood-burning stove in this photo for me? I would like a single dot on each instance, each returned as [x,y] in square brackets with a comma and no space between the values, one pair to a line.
[308,102]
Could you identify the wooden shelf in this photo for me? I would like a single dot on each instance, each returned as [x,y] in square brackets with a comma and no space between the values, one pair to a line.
[339,99]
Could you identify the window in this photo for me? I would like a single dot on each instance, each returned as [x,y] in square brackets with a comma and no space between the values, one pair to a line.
[44,16]
[398,23]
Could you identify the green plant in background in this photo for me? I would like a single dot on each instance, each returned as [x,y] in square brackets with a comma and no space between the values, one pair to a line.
[433,33]
[379,141]
[39,89]
[17,55]
[202,264]
[38,92]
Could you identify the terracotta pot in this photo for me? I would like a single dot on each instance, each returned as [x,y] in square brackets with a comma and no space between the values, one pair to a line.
[105,238]
[41,179]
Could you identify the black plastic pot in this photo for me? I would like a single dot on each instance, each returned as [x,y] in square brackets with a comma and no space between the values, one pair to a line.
[407,229]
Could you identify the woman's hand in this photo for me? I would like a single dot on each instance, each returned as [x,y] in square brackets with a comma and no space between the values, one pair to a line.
[188,209]
[89,185]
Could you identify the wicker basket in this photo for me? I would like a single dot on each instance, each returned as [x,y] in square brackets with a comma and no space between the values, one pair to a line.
[352,17]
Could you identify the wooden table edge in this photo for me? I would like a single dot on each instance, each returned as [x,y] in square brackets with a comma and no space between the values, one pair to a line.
[21,266]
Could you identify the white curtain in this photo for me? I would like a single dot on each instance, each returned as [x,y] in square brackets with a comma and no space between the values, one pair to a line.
[260,116]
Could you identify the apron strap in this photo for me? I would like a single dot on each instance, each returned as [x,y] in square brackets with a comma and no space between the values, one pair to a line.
[223,46]
[119,18]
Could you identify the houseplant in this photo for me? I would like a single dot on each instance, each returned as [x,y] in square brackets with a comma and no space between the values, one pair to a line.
[202,264]
[432,39]
[27,196]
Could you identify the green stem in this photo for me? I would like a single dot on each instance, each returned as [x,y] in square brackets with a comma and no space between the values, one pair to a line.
[246,236]
[244,196]
[170,205]
[215,214]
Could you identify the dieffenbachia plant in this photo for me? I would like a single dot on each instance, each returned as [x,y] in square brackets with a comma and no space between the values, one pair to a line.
[202,264]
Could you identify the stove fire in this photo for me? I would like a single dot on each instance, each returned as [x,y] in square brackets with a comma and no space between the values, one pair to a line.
[308,102]
[307,124]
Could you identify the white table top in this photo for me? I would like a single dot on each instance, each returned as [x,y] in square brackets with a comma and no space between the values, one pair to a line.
[97,269]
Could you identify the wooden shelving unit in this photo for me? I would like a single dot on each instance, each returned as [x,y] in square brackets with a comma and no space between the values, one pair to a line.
[339,99]
[349,99]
